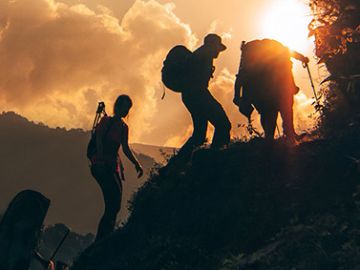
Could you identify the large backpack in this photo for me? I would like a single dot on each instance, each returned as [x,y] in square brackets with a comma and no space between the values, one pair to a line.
[264,56]
[175,71]
[265,69]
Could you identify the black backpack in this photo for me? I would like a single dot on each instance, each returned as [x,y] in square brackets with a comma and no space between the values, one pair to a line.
[100,113]
[91,147]
[175,71]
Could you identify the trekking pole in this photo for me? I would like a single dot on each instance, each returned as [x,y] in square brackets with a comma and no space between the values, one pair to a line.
[278,130]
[60,244]
[243,43]
[99,111]
[238,81]
[306,65]
[96,119]
[46,263]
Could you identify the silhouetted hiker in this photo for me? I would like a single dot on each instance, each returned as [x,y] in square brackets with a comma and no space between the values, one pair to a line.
[267,82]
[20,229]
[192,80]
[110,134]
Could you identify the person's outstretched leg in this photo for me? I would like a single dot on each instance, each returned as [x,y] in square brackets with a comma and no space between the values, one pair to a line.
[218,118]
[198,136]
[268,122]
[287,116]
[111,189]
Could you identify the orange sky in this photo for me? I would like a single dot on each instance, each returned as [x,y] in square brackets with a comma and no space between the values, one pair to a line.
[58,58]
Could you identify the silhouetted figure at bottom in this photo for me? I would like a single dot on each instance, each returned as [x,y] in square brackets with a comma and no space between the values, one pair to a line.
[202,106]
[267,82]
[111,133]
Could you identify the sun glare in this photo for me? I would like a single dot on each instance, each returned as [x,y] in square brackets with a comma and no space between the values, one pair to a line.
[286,21]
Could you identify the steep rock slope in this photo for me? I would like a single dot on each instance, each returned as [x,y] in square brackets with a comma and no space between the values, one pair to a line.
[251,206]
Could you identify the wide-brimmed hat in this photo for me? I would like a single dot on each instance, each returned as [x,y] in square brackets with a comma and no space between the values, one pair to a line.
[215,41]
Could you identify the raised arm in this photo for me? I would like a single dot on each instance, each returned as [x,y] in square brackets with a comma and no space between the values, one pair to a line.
[299,56]
[129,154]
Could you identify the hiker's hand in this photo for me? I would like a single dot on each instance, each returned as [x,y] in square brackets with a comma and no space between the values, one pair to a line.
[51,266]
[305,60]
[139,170]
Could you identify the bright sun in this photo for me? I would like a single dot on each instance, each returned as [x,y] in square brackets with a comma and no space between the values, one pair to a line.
[286,21]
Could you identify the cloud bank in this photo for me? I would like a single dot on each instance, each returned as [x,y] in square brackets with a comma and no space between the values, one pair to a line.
[58,60]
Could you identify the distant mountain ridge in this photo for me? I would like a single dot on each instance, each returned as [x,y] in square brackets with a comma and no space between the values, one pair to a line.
[159,153]
[53,161]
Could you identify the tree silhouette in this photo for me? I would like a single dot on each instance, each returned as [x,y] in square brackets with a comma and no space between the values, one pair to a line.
[336,28]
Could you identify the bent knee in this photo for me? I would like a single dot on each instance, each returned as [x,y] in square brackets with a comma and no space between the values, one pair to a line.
[225,125]
[112,211]
[228,125]
[222,122]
